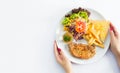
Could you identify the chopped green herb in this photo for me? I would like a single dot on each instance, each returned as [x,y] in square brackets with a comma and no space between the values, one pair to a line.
[67,37]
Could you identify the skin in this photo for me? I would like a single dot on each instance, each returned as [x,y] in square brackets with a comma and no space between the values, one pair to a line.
[115,43]
[114,46]
[62,59]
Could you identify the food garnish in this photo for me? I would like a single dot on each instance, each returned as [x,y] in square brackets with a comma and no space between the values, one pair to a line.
[80,26]
[67,37]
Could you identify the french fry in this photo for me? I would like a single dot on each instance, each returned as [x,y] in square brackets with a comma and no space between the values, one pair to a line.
[91,41]
[95,34]
[86,37]
[100,45]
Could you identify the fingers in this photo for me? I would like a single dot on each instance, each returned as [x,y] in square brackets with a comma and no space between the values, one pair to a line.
[112,35]
[56,52]
[55,49]
[112,28]
[62,55]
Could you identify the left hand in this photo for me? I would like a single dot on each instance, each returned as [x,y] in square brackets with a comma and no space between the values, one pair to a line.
[62,59]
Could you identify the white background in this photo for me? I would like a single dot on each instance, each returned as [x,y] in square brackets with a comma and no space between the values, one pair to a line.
[27,33]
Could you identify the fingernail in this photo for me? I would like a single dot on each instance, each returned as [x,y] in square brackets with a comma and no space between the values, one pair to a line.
[59,50]
[111,28]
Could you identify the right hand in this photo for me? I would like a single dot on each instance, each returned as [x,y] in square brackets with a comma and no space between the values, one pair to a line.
[115,41]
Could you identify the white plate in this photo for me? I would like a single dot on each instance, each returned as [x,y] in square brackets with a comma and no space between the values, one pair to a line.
[99,51]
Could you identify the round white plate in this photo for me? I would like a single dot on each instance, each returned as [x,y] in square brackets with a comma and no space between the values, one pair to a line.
[99,51]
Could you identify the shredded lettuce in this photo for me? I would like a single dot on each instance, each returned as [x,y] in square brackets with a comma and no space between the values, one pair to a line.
[73,16]
[66,21]
[83,14]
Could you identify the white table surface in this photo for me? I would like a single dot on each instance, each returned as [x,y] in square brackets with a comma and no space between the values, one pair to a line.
[27,33]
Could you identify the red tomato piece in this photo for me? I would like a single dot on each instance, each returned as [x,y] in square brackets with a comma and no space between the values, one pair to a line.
[80,26]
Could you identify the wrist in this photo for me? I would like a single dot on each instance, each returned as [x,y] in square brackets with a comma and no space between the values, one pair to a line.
[118,57]
[69,71]
[118,53]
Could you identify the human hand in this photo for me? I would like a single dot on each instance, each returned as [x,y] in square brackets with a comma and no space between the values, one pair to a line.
[62,59]
[115,43]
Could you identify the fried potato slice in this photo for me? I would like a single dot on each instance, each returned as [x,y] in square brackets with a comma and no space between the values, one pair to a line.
[98,44]
[96,32]
[103,26]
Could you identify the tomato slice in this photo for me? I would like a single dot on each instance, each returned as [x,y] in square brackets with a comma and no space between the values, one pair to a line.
[80,26]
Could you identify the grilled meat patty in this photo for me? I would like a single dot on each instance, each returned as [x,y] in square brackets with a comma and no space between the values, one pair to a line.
[82,51]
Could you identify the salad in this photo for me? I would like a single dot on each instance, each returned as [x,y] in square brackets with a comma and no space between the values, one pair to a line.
[75,22]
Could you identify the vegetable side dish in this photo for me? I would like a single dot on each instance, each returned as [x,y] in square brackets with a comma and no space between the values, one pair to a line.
[75,22]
